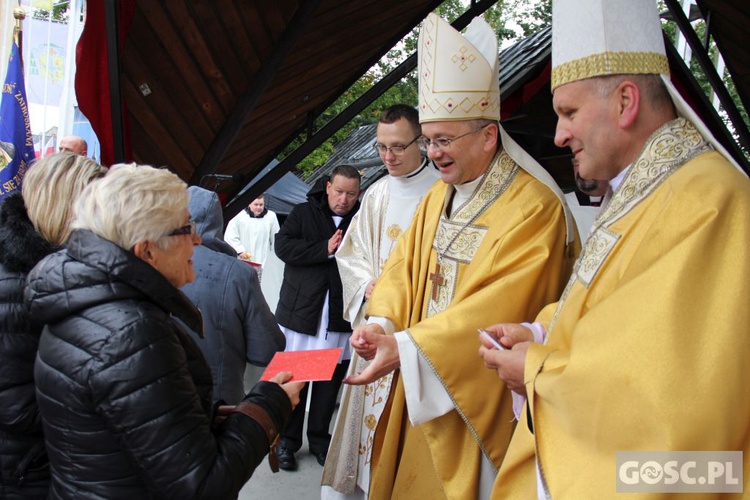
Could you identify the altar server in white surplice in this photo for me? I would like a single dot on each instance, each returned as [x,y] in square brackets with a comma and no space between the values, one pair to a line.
[386,212]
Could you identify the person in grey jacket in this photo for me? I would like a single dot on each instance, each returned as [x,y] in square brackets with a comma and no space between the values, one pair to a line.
[238,324]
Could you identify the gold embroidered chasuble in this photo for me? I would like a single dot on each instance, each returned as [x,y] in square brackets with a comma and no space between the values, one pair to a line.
[504,258]
[648,347]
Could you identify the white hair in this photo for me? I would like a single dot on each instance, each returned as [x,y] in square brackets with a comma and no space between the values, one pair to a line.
[133,203]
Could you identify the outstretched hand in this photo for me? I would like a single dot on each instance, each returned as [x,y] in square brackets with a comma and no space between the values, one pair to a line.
[386,356]
[292,389]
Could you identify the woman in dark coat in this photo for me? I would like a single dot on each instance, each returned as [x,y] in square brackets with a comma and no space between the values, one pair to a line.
[49,189]
[124,392]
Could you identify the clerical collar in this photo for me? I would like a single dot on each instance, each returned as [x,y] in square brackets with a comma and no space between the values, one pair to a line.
[615,183]
[425,161]
[467,188]
[585,200]
[412,179]
[463,193]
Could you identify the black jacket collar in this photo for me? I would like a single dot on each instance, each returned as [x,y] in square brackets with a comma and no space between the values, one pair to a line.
[99,253]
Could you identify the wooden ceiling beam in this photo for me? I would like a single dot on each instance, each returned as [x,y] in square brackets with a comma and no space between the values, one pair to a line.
[717,84]
[247,102]
[112,23]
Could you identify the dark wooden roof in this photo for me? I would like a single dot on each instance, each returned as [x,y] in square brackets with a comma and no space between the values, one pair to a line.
[222,86]
[232,82]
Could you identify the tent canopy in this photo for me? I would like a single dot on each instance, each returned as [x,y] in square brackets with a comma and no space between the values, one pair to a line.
[287,192]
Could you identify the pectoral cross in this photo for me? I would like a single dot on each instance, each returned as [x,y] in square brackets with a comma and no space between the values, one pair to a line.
[437,281]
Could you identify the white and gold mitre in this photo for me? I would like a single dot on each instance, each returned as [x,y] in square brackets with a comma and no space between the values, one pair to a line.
[615,37]
[459,75]
[605,37]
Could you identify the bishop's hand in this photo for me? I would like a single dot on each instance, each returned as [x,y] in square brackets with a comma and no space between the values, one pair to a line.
[364,349]
[508,335]
[386,356]
[511,362]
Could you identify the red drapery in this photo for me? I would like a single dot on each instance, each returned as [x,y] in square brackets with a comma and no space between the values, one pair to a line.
[92,74]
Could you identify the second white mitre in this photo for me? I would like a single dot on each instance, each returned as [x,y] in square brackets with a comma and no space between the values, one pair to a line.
[458,74]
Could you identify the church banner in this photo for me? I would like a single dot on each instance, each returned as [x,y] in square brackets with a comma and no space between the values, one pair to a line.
[16,143]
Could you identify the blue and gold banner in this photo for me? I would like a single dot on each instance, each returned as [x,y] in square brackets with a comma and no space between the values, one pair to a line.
[16,143]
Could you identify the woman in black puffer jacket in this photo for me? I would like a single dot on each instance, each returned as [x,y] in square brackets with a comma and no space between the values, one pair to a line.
[48,190]
[124,392]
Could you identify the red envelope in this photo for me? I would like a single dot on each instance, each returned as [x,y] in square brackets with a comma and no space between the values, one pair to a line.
[306,366]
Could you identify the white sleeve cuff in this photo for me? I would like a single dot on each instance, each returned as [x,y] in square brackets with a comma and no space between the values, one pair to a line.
[539,335]
[426,398]
[538,330]
[355,310]
[387,324]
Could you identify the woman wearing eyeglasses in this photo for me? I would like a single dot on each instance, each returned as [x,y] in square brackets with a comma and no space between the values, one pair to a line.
[124,392]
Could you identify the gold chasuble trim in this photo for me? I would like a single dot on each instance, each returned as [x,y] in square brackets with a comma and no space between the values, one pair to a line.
[460,240]
[598,246]
[669,147]
[457,239]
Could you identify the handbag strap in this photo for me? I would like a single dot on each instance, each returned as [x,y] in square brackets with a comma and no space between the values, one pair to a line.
[260,415]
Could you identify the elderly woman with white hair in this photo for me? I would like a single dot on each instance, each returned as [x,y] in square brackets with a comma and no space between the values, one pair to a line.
[124,392]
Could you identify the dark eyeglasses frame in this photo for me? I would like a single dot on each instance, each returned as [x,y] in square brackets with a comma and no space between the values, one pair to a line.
[189,228]
[443,143]
[396,150]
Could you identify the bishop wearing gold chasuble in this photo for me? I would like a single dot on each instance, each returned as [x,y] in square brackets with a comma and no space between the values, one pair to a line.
[648,347]
[493,239]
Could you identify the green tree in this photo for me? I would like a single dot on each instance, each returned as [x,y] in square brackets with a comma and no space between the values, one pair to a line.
[528,15]
[59,12]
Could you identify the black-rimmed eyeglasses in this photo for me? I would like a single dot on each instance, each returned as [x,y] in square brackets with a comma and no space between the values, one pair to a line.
[396,150]
[189,228]
[443,143]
